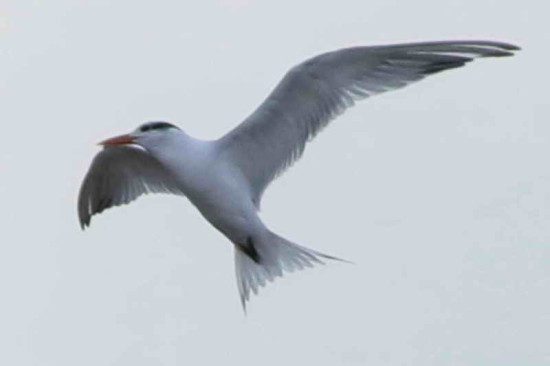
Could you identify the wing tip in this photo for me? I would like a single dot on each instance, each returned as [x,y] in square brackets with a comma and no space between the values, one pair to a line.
[507,46]
[84,221]
[493,48]
[484,43]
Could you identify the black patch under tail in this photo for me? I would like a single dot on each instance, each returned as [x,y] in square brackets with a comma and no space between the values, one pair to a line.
[250,250]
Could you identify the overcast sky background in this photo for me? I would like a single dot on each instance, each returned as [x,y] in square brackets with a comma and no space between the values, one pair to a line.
[440,192]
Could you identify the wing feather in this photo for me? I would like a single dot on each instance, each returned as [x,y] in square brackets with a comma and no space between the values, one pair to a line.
[316,91]
[119,175]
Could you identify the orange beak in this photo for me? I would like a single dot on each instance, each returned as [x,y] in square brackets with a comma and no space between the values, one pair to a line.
[118,140]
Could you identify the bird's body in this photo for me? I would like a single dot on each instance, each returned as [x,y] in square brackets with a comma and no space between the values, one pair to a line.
[212,183]
[225,178]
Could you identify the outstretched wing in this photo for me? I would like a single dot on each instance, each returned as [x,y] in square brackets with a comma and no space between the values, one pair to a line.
[119,175]
[316,91]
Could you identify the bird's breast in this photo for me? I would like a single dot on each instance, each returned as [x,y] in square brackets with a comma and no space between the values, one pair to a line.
[224,200]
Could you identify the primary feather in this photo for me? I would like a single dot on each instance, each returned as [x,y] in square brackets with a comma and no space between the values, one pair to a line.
[316,91]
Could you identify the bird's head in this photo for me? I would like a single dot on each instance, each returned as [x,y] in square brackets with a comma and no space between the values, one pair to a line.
[149,135]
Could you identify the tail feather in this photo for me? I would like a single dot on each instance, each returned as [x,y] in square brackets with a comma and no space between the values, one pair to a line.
[277,256]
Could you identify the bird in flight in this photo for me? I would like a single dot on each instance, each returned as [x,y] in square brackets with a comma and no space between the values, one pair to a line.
[226,178]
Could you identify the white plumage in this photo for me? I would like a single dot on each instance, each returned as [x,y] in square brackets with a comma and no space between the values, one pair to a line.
[225,178]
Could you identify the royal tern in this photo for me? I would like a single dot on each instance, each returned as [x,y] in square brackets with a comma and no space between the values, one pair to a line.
[225,178]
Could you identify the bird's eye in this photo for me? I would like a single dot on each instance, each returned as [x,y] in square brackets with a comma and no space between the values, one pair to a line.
[145,128]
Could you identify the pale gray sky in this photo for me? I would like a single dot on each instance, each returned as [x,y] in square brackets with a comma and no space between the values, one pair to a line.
[439,192]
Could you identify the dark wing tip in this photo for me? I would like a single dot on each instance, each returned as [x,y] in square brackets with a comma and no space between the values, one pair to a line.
[84,216]
[491,44]
[83,213]
[493,49]
[87,209]
[84,224]
[508,46]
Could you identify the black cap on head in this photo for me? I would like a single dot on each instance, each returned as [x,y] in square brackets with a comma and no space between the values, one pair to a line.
[156,126]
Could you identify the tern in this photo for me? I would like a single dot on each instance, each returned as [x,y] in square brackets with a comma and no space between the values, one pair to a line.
[226,178]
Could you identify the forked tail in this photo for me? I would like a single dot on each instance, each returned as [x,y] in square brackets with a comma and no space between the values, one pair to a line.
[263,261]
